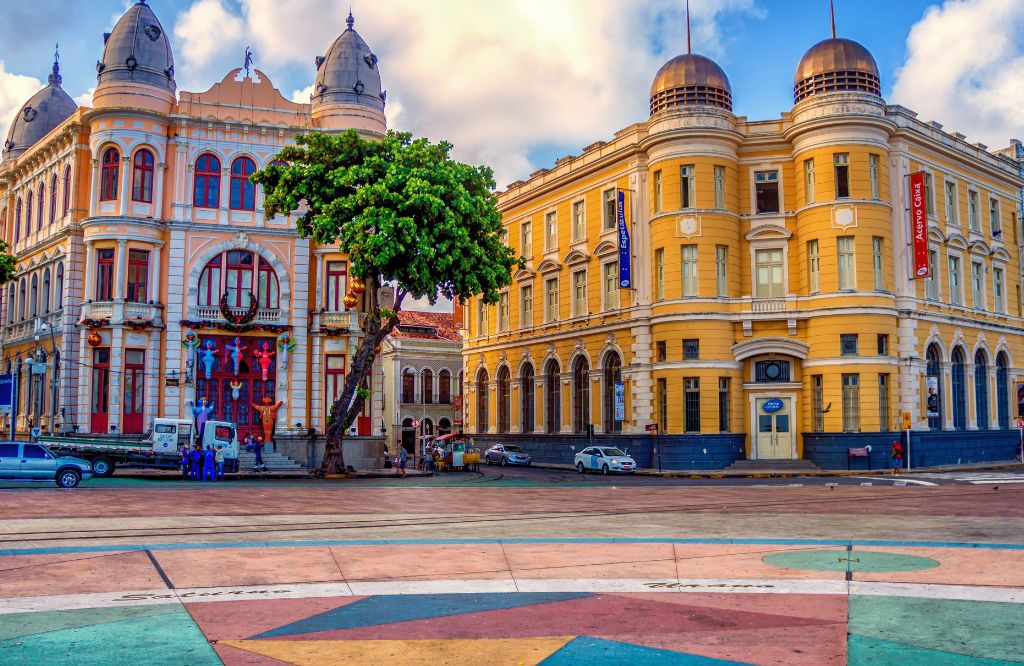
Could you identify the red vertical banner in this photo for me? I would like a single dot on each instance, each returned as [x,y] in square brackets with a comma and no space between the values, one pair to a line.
[919,225]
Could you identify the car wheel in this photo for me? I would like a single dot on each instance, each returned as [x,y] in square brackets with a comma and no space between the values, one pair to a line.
[529,464]
[102,466]
[580,468]
[604,470]
[487,459]
[68,478]
[504,461]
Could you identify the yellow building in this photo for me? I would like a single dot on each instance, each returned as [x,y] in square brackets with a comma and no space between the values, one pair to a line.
[773,304]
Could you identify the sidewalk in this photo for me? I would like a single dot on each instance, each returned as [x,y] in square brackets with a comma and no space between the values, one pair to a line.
[174,475]
[783,473]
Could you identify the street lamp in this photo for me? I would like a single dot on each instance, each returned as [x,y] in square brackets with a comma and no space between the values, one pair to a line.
[55,354]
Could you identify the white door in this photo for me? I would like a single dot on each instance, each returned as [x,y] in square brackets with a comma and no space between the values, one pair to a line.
[774,428]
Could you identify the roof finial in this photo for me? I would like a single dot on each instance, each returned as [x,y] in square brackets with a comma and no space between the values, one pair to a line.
[55,78]
[832,14]
[688,51]
[350,21]
[248,61]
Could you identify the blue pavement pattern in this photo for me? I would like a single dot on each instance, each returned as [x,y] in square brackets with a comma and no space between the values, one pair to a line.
[600,652]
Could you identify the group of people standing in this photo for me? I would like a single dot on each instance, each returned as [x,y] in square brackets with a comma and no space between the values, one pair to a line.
[198,464]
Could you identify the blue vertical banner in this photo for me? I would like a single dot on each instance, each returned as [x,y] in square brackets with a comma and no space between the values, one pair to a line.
[620,401]
[625,274]
[6,394]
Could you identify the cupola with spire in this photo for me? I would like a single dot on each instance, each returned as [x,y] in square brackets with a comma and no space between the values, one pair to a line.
[43,112]
[137,58]
[347,93]
[836,65]
[690,80]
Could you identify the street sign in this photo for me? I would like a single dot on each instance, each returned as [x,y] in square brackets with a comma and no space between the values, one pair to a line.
[1020,424]
[653,427]
[908,421]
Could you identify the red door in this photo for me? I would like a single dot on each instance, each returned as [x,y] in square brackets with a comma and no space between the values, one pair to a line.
[99,417]
[134,390]
[223,384]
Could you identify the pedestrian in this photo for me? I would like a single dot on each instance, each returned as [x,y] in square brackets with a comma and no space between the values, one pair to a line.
[183,452]
[195,461]
[218,460]
[897,456]
[208,464]
[403,458]
[428,458]
[258,466]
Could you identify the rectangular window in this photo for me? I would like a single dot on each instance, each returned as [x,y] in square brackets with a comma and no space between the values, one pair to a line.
[998,289]
[722,270]
[973,214]
[689,270]
[610,205]
[526,306]
[769,274]
[662,405]
[951,203]
[723,404]
[818,398]
[851,403]
[610,282]
[955,293]
[138,275]
[978,285]
[842,168]
[579,223]
[551,300]
[579,293]
[337,273]
[550,231]
[503,312]
[883,403]
[929,195]
[877,247]
[846,263]
[104,275]
[813,267]
[482,318]
[659,273]
[931,283]
[657,192]
[809,181]
[687,187]
[766,191]
[526,238]
[720,187]
[334,379]
[771,371]
[692,404]
[848,344]
[994,220]
[883,344]
[873,176]
[661,348]
[691,349]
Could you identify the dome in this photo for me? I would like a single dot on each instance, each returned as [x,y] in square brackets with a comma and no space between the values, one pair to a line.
[690,80]
[137,51]
[44,111]
[836,65]
[348,74]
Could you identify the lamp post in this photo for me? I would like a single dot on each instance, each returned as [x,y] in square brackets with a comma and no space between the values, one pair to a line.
[55,355]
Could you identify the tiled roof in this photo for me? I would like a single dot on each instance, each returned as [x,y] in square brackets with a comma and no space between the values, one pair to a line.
[442,322]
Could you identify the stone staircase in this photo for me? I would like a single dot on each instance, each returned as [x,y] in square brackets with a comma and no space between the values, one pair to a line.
[275,462]
[768,466]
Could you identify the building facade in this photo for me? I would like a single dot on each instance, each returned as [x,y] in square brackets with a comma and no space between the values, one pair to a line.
[773,299]
[149,281]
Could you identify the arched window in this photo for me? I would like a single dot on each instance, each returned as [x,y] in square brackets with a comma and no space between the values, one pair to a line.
[268,294]
[45,296]
[526,394]
[10,305]
[408,386]
[142,176]
[427,386]
[552,397]
[504,400]
[612,375]
[58,294]
[33,302]
[206,191]
[956,368]
[53,198]
[1003,391]
[22,295]
[580,394]
[481,401]
[40,203]
[28,213]
[427,427]
[238,273]
[444,388]
[934,387]
[66,199]
[108,174]
[981,389]
[17,220]
[243,192]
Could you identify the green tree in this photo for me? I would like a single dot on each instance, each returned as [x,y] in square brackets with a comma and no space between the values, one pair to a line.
[410,219]
[8,264]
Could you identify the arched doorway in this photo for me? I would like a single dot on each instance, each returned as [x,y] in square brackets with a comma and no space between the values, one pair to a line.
[526,394]
[444,426]
[580,394]
[552,397]
[933,402]
[481,401]
[981,389]
[1003,390]
[959,390]
[408,436]
[612,376]
[504,400]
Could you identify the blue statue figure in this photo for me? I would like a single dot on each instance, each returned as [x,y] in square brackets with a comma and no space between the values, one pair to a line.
[207,354]
[201,412]
[236,350]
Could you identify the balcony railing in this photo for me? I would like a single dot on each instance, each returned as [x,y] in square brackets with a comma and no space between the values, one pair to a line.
[208,313]
[762,305]
[20,330]
[117,312]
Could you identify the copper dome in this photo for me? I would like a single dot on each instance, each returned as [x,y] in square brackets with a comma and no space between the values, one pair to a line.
[690,80]
[833,65]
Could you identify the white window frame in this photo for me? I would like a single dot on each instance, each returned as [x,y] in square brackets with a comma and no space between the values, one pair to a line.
[770,285]
[481,321]
[610,285]
[719,173]
[684,264]
[999,287]
[809,181]
[929,194]
[973,210]
[850,272]
[842,160]
[551,231]
[526,238]
[995,219]
[503,312]
[722,271]
[932,284]
[956,286]
[878,261]
[851,401]
[873,161]
[952,207]
[579,301]
[609,224]
[767,168]
[687,187]
[658,191]
[659,274]
[551,298]
[978,296]
[526,306]
[813,266]
[578,211]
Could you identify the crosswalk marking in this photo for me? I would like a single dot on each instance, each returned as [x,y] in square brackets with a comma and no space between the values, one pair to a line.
[979,478]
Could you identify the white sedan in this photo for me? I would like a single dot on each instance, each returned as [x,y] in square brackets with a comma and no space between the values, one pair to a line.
[604,458]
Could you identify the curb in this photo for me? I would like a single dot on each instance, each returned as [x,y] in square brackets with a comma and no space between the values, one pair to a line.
[782,473]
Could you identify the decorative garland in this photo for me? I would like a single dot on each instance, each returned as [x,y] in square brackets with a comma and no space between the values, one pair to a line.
[334,332]
[244,318]
[235,328]
[136,325]
[93,324]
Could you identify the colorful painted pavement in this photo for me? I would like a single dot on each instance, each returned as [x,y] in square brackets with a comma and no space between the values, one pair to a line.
[515,601]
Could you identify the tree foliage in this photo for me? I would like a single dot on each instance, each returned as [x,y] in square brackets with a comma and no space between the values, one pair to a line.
[8,264]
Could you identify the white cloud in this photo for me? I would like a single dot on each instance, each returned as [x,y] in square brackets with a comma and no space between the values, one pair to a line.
[205,31]
[302,96]
[85,99]
[963,69]
[15,89]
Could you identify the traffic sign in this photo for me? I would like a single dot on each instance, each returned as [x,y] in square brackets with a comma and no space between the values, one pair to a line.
[1020,424]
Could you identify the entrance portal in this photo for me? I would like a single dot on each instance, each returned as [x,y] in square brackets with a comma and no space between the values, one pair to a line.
[774,428]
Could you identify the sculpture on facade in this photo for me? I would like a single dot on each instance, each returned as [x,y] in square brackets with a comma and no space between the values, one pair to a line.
[268,413]
[263,357]
[236,387]
[236,350]
[191,343]
[285,344]
[201,412]
[208,356]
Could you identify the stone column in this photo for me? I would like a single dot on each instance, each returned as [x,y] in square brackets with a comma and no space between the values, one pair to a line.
[122,270]
[88,276]
[124,192]
[153,279]
[158,191]
[95,187]
[225,195]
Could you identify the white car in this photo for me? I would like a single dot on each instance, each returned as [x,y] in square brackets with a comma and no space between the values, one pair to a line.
[606,459]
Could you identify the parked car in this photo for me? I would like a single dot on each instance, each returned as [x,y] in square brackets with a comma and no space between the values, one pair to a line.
[28,461]
[604,458]
[507,454]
